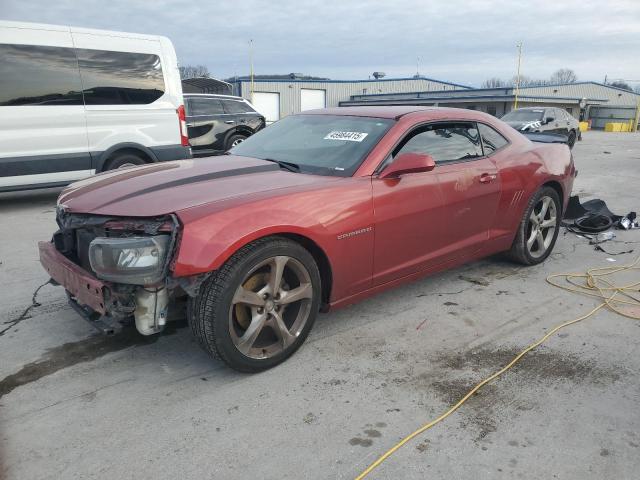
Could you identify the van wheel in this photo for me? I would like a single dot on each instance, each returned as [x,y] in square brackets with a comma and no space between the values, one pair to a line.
[124,160]
[235,140]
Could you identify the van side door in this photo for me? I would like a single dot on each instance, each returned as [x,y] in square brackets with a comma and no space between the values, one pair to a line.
[43,134]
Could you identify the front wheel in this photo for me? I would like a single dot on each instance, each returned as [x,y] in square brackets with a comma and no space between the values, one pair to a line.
[538,229]
[257,309]
[572,139]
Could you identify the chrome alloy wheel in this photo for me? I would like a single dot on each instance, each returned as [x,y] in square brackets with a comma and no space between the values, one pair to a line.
[237,142]
[270,307]
[542,226]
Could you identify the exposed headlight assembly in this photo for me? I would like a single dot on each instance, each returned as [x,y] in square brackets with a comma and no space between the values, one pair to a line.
[134,260]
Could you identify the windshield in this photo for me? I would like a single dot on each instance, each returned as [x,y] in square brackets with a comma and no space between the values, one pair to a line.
[320,144]
[523,116]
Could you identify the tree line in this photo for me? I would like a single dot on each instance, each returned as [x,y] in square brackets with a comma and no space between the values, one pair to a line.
[562,76]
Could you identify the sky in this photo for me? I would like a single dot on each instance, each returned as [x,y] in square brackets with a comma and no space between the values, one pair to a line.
[463,42]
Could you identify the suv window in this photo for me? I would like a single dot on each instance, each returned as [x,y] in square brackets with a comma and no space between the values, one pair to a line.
[444,142]
[205,106]
[491,139]
[114,78]
[237,106]
[35,75]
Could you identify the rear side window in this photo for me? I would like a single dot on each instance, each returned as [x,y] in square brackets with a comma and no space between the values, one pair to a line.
[35,75]
[116,78]
[491,139]
[205,106]
[445,142]
[235,106]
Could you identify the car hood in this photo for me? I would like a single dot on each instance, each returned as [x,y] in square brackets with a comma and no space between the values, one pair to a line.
[169,187]
[520,125]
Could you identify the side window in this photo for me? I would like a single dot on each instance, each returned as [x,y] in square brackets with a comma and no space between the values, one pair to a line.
[115,78]
[35,75]
[236,106]
[444,142]
[491,139]
[550,113]
[205,106]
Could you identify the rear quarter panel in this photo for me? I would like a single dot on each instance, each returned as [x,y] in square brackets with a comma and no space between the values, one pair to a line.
[212,233]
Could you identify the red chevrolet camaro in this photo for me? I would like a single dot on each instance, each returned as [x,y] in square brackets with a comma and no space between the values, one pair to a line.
[316,211]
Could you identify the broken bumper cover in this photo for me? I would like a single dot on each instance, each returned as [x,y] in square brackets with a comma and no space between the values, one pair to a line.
[84,288]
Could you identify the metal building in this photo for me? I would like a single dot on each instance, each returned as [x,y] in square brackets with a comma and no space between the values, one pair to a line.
[584,100]
[277,98]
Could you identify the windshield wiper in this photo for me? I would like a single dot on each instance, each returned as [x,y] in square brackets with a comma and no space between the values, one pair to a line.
[292,167]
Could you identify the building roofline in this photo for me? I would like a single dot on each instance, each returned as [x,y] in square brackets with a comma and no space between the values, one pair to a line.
[299,80]
[467,97]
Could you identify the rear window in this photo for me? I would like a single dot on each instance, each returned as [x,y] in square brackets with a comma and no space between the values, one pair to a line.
[35,75]
[204,106]
[236,106]
[115,78]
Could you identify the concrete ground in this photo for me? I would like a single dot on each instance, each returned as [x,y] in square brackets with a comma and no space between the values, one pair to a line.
[77,405]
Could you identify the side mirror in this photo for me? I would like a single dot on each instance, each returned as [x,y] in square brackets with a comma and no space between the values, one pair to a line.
[409,163]
[548,120]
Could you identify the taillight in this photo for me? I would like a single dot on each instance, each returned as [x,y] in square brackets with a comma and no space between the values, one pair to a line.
[182,119]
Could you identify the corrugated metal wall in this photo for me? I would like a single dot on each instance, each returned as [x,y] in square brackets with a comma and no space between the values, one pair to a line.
[338,91]
[601,115]
[586,90]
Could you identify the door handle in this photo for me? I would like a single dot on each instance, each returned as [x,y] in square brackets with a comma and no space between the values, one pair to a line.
[488,177]
[230,121]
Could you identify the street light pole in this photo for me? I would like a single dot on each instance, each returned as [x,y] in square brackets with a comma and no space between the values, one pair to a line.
[519,46]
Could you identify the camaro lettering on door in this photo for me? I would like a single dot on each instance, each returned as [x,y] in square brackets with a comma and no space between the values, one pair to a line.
[354,233]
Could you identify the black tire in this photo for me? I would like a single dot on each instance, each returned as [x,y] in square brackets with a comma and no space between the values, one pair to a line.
[210,314]
[124,160]
[572,138]
[520,252]
[234,139]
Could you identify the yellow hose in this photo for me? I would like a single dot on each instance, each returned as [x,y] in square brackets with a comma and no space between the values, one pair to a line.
[594,285]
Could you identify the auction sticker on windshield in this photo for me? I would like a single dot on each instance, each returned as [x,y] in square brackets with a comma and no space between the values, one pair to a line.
[350,136]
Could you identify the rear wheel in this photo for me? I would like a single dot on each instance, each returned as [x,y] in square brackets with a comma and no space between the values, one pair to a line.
[256,310]
[538,229]
[124,160]
[235,140]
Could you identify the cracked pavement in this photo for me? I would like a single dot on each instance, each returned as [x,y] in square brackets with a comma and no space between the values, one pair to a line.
[74,404]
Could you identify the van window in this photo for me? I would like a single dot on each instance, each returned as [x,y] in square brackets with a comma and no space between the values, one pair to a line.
[115,78]
[35,75]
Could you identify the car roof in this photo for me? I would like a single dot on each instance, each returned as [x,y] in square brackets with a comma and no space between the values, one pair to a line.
[387,111]
[396,112]
[213,95]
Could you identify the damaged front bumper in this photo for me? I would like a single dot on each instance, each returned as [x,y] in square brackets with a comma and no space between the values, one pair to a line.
[103,302]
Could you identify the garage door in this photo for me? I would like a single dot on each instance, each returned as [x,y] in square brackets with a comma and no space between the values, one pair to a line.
[268,104]
[310,99]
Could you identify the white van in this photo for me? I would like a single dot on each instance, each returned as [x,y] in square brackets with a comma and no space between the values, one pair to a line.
[75,101]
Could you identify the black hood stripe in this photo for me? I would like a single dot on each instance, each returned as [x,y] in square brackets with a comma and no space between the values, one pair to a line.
[198,178]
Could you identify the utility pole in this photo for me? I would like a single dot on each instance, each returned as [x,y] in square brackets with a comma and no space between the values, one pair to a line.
[251,69]
[519,46]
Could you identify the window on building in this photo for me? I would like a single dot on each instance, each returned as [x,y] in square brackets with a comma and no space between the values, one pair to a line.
[491,110]
[114,78]
[204,106]
[35,75]
[491,139]
[235,106]
[444,142]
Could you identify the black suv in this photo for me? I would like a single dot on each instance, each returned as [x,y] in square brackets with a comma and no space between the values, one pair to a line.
[215,123]
[544,120]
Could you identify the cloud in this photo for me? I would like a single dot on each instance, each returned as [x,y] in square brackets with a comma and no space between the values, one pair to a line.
[460,41]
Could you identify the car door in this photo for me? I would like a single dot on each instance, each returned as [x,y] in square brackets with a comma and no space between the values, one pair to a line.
[206,125]
[552,121]
[245,118]
[426,219]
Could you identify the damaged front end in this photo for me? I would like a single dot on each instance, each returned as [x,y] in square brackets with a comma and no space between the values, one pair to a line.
[113,268]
